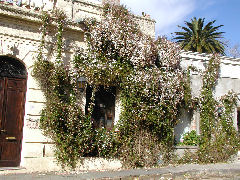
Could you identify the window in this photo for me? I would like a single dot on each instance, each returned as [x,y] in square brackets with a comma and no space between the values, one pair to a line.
[104,110]
[12,68]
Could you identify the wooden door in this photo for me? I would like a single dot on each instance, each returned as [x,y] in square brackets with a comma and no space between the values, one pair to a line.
[12,103]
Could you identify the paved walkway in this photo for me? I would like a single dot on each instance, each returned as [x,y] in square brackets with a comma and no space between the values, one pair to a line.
[189,171]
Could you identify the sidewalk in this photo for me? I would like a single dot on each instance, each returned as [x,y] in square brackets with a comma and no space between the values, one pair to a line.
[231,170]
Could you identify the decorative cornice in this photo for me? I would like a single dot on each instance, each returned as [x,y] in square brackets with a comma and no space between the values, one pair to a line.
[32,16]
[89,3]
[19,12]
[196,56]
[100,6]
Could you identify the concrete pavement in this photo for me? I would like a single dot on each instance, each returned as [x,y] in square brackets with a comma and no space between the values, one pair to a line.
[189,171]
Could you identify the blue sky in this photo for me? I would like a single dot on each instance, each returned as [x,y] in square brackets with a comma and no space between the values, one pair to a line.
[170,13]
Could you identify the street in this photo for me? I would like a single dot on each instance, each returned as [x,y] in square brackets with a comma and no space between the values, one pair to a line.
[189,171]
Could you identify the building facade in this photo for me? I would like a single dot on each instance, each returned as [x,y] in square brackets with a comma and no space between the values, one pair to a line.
[229,79]
[21,100]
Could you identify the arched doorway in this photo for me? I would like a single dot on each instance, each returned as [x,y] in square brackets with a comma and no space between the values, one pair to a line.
[13,76]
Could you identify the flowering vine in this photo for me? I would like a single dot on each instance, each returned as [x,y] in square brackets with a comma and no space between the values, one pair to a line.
[61,21]
[45,20]
[62,119]
[148,75]
[219,139]
[152,85]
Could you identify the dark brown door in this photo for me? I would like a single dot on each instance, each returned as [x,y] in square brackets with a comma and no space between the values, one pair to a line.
[12,103]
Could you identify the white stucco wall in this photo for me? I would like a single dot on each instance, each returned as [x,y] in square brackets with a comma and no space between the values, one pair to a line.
[183,126]
[229,79]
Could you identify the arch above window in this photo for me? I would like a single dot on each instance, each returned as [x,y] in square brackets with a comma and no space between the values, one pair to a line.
[12,68]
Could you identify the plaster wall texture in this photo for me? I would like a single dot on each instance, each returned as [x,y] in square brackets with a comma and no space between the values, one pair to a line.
[183,126]
[20,37]
[229,80]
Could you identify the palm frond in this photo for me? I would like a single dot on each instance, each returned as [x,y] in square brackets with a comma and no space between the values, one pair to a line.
[196,36]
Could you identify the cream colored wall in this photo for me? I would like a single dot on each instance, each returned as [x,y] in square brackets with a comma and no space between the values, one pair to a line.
[229,79]
[20,38]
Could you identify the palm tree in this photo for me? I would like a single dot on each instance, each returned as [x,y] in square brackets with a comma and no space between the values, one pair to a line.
[199,38]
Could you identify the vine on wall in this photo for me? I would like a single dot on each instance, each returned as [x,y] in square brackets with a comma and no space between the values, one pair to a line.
[219,140]
[207,101]
[153,88]
[62,119]
[148,75]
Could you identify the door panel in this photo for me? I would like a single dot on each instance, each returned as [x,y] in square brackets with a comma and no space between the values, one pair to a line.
[14,106]
[1,101]
[12,121]
[10,151]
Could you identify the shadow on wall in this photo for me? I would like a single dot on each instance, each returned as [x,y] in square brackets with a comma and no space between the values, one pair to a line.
[183,126]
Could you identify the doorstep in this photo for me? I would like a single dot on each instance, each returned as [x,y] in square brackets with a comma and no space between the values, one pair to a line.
[11,168]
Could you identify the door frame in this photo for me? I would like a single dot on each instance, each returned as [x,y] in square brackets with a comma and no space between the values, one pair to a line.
[15,163]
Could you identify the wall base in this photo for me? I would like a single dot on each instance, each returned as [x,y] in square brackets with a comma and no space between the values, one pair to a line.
[47,164]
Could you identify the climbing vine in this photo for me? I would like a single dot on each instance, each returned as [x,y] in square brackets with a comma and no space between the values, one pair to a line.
[152,88]
[207,101]
[60,20]
[62,118]
[219,139]
[45,19]
[148,75]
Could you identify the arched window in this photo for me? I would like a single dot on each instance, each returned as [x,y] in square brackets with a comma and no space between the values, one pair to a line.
[12,68]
